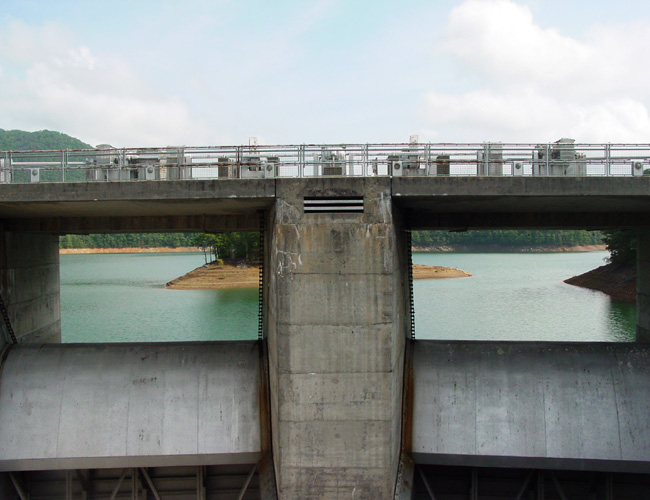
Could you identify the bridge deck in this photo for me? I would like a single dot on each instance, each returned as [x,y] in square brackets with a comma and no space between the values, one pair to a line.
[85,406]
[234,205]
[530,404]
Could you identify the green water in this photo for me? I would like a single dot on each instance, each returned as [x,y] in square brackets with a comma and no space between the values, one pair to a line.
[122,298]
[518,296]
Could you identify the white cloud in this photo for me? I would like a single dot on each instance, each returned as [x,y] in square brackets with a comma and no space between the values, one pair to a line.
[23,44]
[53,83]
[537,84]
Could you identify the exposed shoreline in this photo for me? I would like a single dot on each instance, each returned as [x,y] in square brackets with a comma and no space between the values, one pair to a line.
[617,281]
[509,249]
[214,277]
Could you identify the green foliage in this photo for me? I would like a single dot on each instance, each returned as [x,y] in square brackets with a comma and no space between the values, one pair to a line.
[515,239]
[621,246]
[18,140]
[231,246]
[138,240]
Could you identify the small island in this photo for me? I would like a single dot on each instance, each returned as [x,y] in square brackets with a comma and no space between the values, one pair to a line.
[222,276]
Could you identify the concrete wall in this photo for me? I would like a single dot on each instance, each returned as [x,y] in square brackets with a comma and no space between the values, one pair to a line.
[643,286]
[336,322]
[581,406]
[67,406]
[29,280]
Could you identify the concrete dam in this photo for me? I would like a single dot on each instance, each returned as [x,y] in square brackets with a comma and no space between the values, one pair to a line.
[336,400]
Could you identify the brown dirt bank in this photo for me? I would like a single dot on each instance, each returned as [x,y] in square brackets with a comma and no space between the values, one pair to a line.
[69,251]
[213,276]
[422,272]
[617,281]
[507,249]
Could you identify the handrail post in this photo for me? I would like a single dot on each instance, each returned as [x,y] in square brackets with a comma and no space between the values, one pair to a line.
[64,159]
[547,157]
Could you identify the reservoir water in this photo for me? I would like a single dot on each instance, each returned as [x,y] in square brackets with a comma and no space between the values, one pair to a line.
[513,296]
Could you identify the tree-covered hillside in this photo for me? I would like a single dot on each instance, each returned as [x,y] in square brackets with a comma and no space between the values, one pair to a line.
[138,240]
[237,245]
[19,140]
[514,239]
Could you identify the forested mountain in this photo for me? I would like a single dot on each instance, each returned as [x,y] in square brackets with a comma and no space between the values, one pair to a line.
[18,140]
[235,244]
[515,239]
[138,240]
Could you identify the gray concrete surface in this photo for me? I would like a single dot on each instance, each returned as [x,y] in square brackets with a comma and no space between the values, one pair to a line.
[82,406]
[523,202]
[643,286]
[336,334]
[29,281]
[530,404]
[182,206]
[428,202]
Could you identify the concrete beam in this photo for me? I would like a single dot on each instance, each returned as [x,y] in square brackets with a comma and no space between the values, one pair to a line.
[557,405]
[423,218]
[79,406]
[127,199]
[137,224]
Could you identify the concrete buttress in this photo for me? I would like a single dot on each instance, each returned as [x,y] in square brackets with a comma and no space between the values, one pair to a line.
[643,286]
[29,281]
[336,323]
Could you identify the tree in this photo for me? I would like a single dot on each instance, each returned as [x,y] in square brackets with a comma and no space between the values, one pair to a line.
[621,245]
[244,246]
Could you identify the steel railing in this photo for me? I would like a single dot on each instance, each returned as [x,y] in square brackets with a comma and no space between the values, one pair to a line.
[315,160]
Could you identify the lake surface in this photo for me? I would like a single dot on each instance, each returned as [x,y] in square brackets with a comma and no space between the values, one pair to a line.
[520,296]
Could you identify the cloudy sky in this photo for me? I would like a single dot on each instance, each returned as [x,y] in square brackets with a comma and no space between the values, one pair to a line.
[216,72]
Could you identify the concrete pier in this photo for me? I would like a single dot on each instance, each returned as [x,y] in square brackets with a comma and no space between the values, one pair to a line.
[643,286]
[29,282]
[336,334]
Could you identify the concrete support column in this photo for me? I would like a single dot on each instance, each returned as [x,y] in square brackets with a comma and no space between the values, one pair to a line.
[643,286]
[29,281]
[336,322]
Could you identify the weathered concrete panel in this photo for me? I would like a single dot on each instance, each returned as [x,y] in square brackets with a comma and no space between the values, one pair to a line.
[320,444]
[345,299]
[336,251]
[29,279]
[307,349]
[514,403]
[334,482]
[124,405]
[334,396]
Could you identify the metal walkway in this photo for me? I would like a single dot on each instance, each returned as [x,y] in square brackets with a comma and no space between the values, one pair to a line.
[105,163]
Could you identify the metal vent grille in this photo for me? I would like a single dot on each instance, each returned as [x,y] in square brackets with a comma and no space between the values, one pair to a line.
[331,205]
